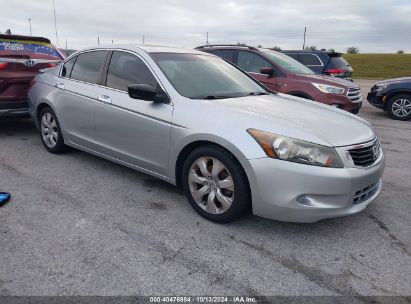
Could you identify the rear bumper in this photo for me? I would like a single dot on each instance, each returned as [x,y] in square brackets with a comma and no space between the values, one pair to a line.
[14,108]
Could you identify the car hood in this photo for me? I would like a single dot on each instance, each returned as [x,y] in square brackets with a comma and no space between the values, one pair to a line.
[395,80]
[336,81]
[299,118]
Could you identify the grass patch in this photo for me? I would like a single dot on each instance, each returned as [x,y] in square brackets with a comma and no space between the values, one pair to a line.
[380,66]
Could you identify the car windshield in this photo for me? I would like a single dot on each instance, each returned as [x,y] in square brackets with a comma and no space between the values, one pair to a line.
[288,63]
[199,76]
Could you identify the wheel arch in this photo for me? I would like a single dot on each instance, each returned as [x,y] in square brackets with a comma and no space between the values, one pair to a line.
[191,146]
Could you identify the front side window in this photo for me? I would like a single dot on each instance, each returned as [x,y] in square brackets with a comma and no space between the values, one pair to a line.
[205,77]
[68,67]
[125,69]
[252,62]
[226,54]
[88,66]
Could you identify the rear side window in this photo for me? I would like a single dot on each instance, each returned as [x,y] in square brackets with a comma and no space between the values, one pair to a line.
[225,54]
[292,55]
[88,66]
[310,60]
[33,49]
[68,67]
[252,62]
[125,69]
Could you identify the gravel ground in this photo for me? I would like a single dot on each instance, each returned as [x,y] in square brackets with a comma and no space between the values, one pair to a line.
[81,225]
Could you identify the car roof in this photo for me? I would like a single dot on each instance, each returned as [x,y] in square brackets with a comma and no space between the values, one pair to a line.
[147,48]
[21,37]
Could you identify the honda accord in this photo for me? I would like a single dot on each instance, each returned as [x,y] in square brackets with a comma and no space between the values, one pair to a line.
[197,121]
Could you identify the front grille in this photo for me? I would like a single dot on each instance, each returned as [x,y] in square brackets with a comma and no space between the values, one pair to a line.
[354,94]
[364,194]
[365,155]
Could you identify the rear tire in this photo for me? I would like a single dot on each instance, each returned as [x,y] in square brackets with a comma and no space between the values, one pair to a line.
[399,107]
[215,184]
[50,132]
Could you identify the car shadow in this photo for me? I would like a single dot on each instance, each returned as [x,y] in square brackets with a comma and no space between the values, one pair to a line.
[16,127]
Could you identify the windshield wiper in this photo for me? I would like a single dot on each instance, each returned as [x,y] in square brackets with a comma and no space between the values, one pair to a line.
[258,93]
[216,97]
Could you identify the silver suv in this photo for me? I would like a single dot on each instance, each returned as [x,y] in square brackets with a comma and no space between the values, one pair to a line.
[193,119]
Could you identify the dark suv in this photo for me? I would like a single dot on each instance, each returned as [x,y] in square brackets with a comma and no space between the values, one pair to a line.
[283,74]
[323,62]
[21,57]
[393,96]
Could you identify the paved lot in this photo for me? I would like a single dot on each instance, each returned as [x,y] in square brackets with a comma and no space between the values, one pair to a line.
[79,224]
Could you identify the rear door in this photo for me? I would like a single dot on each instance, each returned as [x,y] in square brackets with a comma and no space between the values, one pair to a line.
[252,63]
[78,87]
[20,60]
[132,130]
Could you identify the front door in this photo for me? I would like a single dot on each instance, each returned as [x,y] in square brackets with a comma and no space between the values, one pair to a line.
[131,130]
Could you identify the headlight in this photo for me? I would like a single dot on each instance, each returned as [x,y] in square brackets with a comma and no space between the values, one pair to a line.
[380,87]
[328,88]
[294,150]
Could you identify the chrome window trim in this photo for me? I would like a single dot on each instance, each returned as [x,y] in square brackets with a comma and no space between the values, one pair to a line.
[106,87]
[313,65]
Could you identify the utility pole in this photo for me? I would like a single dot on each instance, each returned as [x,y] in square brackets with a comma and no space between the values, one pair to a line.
[112,41]
[55,22]
[66,46]
[31,33]
[305,32]
[143,39]
[98,40]
[207,39]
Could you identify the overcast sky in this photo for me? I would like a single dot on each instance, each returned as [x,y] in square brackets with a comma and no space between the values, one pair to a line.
[370,25]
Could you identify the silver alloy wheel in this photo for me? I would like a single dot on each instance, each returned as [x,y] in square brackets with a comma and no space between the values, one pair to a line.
[401,107]
[49,130]
[211,185]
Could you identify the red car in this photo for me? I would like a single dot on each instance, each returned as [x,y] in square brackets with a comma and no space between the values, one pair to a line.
[21,57]
[283,74]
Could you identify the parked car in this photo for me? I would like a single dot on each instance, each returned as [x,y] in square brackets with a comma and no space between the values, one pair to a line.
[21,57]
[393,96]
[283,74]
[192,119]
[323,62]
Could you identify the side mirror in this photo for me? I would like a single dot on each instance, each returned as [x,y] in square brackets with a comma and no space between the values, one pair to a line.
[267,71]
[147,92]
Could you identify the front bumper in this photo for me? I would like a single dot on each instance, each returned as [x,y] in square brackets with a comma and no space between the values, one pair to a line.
[292,192]
[11,109]
[376,100]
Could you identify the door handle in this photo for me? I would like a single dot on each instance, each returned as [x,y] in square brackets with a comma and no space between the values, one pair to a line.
[104,98]
[60,86]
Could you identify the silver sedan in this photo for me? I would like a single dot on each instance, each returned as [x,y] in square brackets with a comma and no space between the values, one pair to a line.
[196,121]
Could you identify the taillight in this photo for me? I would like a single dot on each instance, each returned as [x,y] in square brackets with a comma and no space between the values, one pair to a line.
[51,65]
[335,72]
[3,65]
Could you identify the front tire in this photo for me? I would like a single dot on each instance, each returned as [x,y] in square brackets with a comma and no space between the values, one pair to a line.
[215,184]
[50,132]
[399,107]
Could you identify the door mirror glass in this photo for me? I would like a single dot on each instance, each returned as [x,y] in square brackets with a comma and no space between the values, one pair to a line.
[267,71]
